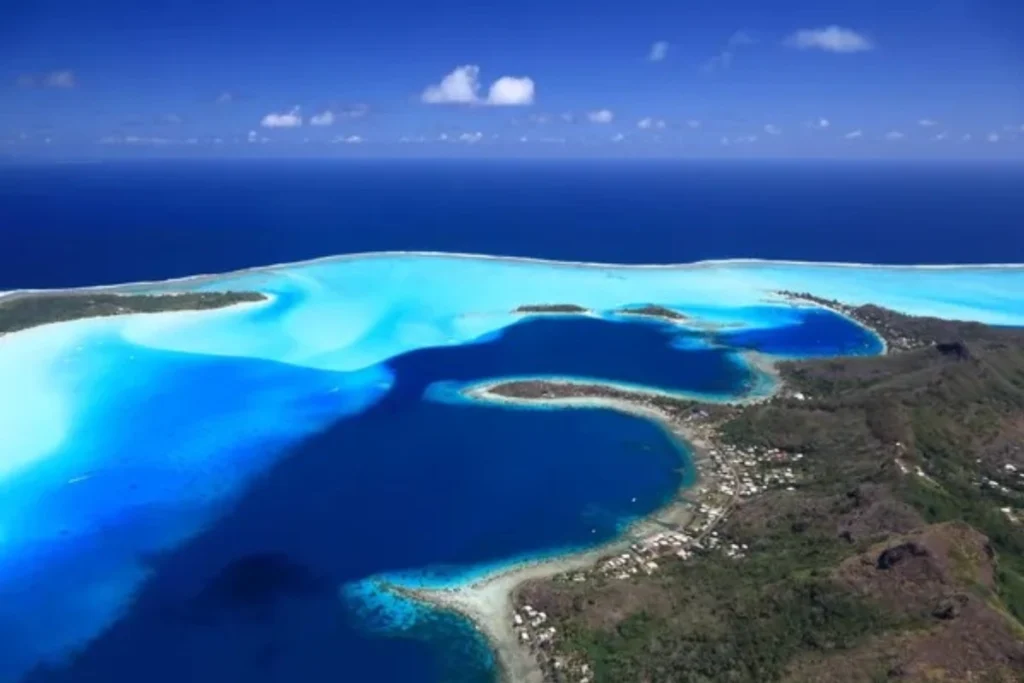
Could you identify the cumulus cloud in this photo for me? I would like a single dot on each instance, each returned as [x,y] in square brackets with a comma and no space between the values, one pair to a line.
[927,123]
[325,118]
[171,119]
[772,129]
[693,123]
[471,138]
[658,51]
[348,139]
[820,124]
[509,91]
[618,137]
[894,135]
[723,60]
[462,86]
[601,116]
[648,123]
[225,98]
[966,137]
[993,137]
[63,78]
[830,39]
[289,119]
[854,134]
[941,135]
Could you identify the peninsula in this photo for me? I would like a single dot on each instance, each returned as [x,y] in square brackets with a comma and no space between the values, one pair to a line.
[864,523]
[24,310]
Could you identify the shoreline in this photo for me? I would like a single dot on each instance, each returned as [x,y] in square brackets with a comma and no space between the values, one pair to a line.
[489,602]
[692,265]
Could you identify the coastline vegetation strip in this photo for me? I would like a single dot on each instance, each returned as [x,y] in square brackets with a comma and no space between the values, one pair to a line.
[23,311]
[488,602]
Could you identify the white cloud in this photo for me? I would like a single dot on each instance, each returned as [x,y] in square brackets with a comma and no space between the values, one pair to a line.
[289,119]
[350,140]
[225,98]
[993,137]
[60,79]
[941,135]
[172,119]
[772,129]
[830,39]
[601,116]
[471,138]
[723,60]
[967,137]
[725,141]
[658,52]
[854,134]
[462,86]
[253,136]
[569,117]
[693,123]
[353,111]
[928,123]
[648,123]
[894,135]
[509,91]
[820,124]
[618,137]
[133,140]
[64,78]
[323,119]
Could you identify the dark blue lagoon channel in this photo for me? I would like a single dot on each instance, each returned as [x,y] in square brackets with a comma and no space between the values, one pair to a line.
[254,590]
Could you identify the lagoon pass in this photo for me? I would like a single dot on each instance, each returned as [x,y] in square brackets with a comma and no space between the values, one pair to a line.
[81,400]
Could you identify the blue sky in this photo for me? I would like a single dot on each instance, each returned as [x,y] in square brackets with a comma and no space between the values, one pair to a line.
[788,78]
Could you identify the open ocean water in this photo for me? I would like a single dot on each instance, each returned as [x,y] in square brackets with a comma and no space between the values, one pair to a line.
[227,500]
[76,225]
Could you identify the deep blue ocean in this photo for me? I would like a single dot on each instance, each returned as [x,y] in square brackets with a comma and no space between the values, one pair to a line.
[116,222]
[418,483]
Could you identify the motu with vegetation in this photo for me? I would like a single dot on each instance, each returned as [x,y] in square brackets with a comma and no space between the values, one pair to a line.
[22,311]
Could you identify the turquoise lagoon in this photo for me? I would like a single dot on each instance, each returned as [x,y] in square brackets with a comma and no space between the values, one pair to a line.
[205,495]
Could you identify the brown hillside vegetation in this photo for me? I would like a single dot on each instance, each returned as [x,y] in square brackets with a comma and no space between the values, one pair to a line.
[898,557]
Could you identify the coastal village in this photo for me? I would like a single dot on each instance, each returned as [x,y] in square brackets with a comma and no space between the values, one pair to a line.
[728,474]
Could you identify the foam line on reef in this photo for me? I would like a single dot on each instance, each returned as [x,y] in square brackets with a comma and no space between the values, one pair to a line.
[691,265]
